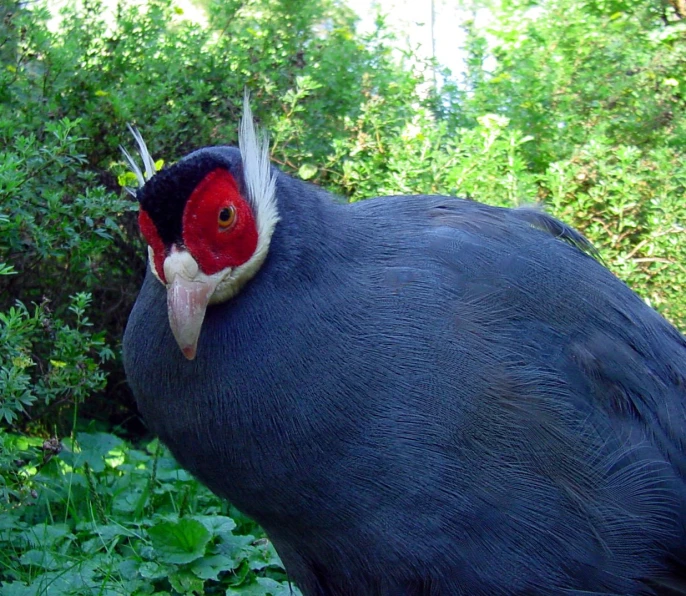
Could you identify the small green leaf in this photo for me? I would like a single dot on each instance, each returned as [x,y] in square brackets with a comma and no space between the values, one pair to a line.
[43,559]
[91,448]
[16,589]
[307,171]
[22,362]
[47,535]
[264,555]
[127,179]
[6,269]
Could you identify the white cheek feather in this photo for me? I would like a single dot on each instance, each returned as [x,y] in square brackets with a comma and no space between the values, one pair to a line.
[151,262]
[259,178]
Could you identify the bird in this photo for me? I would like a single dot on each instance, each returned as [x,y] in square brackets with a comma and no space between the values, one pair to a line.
[412,395]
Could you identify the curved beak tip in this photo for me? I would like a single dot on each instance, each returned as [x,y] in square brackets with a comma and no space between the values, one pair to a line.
[189,352]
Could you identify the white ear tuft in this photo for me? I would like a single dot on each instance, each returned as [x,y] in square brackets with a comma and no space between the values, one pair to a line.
[260,183]
[257,173]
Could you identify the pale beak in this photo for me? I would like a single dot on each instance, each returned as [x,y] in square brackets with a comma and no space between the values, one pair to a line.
[188,294]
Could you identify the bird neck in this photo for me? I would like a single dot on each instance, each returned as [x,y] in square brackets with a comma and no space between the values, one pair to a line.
[309,223]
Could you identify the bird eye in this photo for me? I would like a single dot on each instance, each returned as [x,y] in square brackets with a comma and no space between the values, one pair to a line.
[227,217]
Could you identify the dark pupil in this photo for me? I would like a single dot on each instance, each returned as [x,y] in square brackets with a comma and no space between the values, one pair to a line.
[225,214]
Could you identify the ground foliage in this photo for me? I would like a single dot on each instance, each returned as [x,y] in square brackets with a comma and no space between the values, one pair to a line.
[575,104]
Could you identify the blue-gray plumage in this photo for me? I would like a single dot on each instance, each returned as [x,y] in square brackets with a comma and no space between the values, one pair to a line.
[427,396]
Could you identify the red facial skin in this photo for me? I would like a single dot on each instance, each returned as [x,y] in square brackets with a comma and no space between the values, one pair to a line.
[213,245]
[154,241]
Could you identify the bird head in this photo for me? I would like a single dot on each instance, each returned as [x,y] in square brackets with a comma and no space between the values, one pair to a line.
[208,222]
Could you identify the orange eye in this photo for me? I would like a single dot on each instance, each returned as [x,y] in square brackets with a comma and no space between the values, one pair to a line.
[227,217]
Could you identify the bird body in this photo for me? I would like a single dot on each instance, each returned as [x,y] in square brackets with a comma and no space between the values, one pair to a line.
[426,395]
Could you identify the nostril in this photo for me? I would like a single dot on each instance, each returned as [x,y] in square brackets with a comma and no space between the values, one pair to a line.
[190,266]
[180,262]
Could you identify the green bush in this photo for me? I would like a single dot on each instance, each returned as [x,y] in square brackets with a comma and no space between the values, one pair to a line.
[70,371]
[56,226]
[568,72]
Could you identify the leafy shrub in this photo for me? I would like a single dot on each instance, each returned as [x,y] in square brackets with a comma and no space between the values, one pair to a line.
[569,71]
[422,156]
[598,85]
[70,371]
[55,228]
[94,515]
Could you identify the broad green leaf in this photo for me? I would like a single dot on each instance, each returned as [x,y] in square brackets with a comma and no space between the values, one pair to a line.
[211,567]
[152,570]
[184,582]
[264,586]
[216,524]
[179,542]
